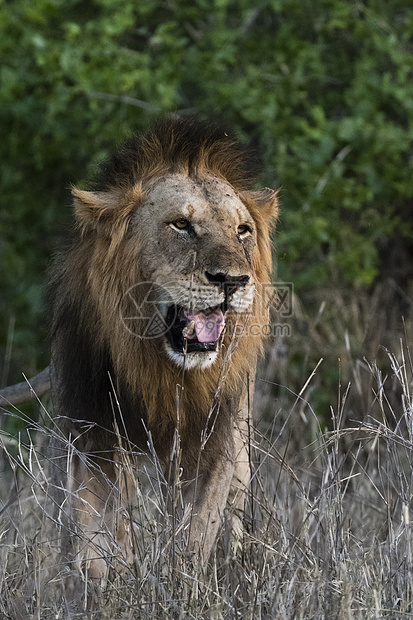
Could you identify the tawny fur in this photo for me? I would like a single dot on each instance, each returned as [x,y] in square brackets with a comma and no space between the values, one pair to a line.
[106,257]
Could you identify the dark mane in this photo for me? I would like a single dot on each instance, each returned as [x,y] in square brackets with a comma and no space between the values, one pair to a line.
[173,145]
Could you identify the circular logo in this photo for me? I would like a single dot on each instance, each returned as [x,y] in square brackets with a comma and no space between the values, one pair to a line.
[143,310]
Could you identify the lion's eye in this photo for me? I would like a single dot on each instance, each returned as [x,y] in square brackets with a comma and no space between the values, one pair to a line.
[181,224]
[243,230]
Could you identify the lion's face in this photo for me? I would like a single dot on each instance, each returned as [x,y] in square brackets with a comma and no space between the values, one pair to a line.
[198,242]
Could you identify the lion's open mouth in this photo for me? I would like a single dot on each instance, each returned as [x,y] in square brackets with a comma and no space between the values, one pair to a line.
[194,331]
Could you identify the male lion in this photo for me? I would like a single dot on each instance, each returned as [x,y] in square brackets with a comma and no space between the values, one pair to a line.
[153,304]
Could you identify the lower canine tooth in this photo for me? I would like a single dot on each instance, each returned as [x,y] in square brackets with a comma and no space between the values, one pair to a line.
[189,330]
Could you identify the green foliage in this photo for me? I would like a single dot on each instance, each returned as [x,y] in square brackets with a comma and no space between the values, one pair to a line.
[324,89]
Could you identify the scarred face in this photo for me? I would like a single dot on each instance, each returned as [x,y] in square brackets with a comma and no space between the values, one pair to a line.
[199,242]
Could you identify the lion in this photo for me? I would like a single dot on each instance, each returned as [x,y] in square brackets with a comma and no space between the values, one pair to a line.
[157,307]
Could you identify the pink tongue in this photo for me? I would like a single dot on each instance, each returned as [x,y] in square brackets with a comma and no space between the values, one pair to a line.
[208,326]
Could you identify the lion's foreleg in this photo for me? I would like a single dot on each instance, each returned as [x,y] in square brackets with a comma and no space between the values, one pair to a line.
[211,494]
[241,477]
[95,529]
[242,431]
[220,489]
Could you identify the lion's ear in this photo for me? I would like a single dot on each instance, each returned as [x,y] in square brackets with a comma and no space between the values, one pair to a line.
[265,202]
[105,210]
[91,208]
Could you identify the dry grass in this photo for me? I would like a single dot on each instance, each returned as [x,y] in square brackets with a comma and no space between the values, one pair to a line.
[328,524]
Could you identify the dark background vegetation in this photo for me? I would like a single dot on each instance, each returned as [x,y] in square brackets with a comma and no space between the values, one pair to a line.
[323,89]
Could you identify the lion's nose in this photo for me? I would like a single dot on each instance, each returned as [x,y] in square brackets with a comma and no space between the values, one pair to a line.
[227,281]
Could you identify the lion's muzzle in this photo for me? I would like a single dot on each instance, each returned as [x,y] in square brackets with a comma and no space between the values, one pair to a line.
[229,284]
[200,331]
